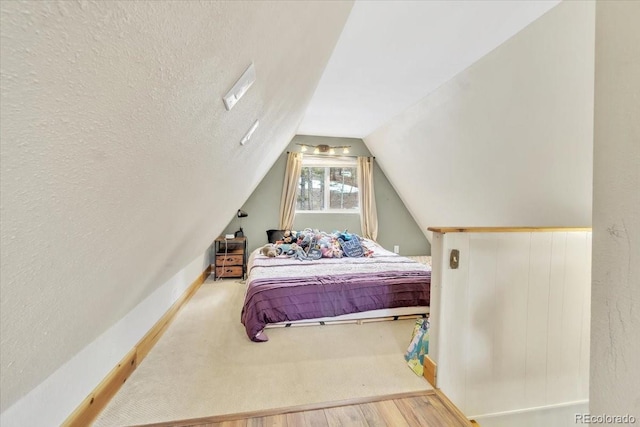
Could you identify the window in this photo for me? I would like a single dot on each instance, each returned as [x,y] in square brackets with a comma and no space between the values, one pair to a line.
[328,185]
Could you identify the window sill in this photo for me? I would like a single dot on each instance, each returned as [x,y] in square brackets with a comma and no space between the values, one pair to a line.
[329,212]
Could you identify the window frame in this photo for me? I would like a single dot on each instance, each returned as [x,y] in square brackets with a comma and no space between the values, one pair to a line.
[327,163]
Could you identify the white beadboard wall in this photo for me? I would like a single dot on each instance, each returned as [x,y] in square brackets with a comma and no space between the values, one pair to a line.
[511,325]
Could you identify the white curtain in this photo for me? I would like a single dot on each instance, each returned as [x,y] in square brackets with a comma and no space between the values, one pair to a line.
[367,198]
[289,188]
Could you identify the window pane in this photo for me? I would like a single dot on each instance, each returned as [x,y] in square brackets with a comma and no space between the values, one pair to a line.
[311,189]
[343,186]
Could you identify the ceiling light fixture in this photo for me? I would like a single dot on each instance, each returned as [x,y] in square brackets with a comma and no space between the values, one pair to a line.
[240,88]
[249,133]
[324,149]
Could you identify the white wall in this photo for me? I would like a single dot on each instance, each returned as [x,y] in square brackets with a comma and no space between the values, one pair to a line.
[511,324]
[615,316]
[120,163]
[507,141]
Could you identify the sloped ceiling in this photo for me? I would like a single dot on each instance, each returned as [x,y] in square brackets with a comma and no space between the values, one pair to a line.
[120,163]
[392,54]
[479,112]
[508,141]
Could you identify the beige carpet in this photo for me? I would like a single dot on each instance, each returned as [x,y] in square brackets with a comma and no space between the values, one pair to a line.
[205,365]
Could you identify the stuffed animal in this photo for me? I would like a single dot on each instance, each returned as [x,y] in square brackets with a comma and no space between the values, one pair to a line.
[327,252]
[292,248]
[297,252]
[306,241]
[343,235]
[337,250]
[269,250]
[289,236]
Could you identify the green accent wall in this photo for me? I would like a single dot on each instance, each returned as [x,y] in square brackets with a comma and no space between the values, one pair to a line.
[396,226]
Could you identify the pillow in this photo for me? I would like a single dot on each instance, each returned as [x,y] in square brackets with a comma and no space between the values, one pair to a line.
[352,248]
[274,235]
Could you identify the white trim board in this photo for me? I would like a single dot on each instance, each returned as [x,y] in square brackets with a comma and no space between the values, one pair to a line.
[526,410]
[562,414]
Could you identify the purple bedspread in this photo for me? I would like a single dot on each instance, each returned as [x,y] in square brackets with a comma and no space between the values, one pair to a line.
[282,289]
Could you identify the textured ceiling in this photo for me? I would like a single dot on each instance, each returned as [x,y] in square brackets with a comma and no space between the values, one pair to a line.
[391,54]
[120,164]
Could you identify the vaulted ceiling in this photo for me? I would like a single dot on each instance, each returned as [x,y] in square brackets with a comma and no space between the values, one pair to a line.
[392,54]
[120,164]
[479,112]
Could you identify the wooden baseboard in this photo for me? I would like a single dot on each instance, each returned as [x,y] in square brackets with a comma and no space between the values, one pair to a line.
[430,373]
[151,338]
[444,230]
[430,370]
[452,408]
[93,404]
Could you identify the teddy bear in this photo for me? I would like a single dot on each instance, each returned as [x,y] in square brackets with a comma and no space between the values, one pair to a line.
[327,252]
[269,250]
[289,236]
[337,250]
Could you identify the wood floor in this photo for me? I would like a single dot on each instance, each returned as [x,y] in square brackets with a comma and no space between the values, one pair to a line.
[423,409]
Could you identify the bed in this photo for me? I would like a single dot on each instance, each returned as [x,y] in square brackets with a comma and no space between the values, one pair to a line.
[284,289]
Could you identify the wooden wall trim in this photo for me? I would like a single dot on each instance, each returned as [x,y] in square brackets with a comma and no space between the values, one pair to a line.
[430,370]
[95,402]
[444,230]
[451,407]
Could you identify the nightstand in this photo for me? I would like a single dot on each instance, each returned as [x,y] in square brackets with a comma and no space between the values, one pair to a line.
[230,257]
